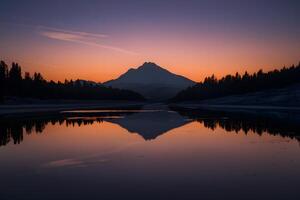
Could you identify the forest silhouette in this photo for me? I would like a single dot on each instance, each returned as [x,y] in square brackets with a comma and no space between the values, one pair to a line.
[212,87]
[12,83]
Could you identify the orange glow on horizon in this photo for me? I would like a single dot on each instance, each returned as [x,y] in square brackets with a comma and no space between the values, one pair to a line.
[100,72]
[190,57]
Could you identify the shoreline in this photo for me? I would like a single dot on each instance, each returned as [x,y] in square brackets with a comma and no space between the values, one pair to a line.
[235,107]
[25,110]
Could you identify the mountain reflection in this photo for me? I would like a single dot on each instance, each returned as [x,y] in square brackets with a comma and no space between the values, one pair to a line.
[151,124]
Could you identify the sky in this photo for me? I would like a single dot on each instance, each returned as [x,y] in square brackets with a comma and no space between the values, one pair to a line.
[100,40]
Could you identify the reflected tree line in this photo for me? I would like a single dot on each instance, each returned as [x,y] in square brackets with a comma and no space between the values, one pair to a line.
[14,83]
[282,124]
[14,130]
[212,87]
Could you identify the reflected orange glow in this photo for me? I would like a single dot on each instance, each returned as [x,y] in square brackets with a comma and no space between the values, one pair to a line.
[187,148]
[191,139]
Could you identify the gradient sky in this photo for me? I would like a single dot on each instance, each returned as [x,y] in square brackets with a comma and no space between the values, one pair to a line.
[99,40]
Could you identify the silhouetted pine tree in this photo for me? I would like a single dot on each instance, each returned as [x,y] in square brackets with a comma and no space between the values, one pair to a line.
[15,79]
[3,79]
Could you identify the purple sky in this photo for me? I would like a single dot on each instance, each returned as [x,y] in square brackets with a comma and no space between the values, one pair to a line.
[193,38]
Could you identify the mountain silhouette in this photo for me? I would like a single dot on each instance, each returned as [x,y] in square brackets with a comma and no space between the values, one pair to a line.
[152,81]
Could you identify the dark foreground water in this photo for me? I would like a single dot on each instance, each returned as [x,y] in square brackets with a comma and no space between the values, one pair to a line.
[151,154]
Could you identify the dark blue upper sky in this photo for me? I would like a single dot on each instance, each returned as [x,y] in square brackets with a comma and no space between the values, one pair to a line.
[270,14]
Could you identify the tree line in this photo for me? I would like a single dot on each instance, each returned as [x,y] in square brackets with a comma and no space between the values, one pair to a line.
[14,83]
[212,87]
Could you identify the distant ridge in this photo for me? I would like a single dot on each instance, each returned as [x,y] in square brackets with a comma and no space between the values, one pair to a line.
[152,81]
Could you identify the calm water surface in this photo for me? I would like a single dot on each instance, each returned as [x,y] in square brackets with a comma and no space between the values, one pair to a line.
[156,154]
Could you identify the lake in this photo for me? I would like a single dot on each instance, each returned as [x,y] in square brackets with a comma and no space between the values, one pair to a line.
[151,154]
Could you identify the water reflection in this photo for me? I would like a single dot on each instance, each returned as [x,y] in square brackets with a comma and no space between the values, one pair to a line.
[160,154]
[14,129]
[152,123]
[285,124]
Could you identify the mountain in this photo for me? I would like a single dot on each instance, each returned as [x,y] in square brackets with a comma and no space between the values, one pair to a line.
[152,81]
